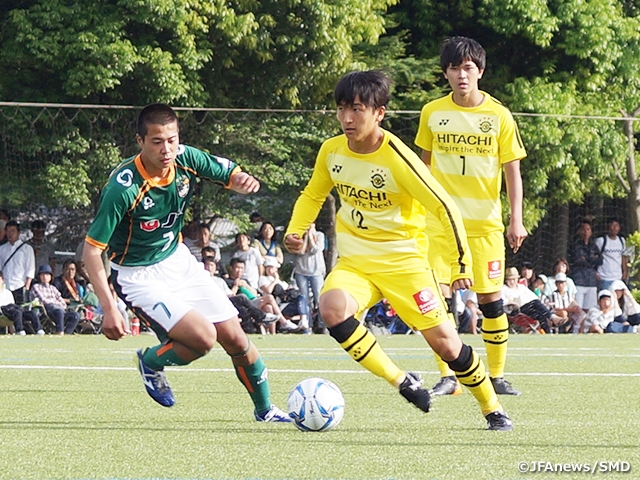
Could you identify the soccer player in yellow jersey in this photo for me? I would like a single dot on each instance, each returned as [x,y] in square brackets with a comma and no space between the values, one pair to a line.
[468,138]
[384,190]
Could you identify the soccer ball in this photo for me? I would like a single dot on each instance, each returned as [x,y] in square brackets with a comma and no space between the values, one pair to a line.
[316,405]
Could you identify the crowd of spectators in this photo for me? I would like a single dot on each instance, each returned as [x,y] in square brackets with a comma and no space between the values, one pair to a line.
[587,293]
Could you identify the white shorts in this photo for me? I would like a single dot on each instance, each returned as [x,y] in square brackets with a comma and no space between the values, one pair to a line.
[166,291]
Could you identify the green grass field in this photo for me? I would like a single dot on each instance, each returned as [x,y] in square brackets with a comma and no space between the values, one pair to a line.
[74,407]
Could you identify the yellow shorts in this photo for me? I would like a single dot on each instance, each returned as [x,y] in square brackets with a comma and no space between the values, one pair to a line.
[413,294]
[487,254]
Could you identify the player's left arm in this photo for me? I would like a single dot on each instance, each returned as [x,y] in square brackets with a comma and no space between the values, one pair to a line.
[422,186]
[516,233]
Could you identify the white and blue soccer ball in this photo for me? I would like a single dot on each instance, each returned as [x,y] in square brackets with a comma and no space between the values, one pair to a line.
[316,405]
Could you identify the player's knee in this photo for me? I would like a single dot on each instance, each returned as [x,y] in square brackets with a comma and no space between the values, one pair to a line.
[492,309]
[463,361]
[334,307]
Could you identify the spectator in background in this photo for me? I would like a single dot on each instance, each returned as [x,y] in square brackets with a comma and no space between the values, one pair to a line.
[267,302]
[561,266]
[3,236]
[251,317]
[309,271]
[256,220]
[566,307]
[271,284]
[585,260]
[468,311]
[601,318]
[202,240]
[614,260]
[15,313]
[52,301]
[71,288]
[250,256]
[17,261]
[538,285]
[516,295]
[627,309]
[267,243]
[42,248]
[527,275]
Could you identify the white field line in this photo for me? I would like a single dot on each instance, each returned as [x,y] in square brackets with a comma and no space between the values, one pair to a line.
[292,370]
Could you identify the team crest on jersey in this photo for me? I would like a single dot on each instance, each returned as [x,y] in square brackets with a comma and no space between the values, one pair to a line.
[494,269]
[182,185]
[125,177]
[378,178]
[485,125]
[426,300]
[150,225]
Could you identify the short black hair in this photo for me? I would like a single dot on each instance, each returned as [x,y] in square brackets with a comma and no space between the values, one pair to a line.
[610,220]
[371,86]
[12,223]
[235,260]
[39,224]
[155,114]
[455,50]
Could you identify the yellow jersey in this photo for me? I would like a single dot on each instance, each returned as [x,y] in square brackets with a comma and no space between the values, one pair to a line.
[380,225]
[468,148]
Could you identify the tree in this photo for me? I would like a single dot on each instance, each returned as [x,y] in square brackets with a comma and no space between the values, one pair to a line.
[196,53]
[565,58]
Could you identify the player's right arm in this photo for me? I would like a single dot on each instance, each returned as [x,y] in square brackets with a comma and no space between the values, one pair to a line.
[309,203]
[113,204]
[113,325]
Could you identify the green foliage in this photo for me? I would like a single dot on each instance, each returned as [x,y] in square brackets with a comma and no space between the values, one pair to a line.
[633,247]
[560,58]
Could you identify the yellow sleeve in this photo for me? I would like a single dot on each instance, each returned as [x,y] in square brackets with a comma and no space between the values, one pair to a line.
[308,205]
[424,136]
[420,184]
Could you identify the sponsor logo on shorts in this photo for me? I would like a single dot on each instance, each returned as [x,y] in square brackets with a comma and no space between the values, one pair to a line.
[495,269]
[426,300]
[150,225]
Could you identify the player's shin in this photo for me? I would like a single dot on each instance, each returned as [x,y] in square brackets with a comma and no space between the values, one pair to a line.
[471,373]
[254,377]
[363,347]
[495,333]
[163,355]
[443,367]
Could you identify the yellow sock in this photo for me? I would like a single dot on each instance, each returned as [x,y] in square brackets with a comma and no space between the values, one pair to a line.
[364,349]
[495,333]
[476,380]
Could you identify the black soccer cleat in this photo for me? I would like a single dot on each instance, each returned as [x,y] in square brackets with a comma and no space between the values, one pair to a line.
[446,386]
[499,421]
[503,387]
[411,389]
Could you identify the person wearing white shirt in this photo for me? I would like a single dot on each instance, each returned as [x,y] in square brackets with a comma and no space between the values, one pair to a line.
[17,262]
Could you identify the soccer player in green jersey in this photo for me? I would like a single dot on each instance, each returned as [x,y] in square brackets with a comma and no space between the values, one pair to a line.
[139,221]
[468,139]
[384,190]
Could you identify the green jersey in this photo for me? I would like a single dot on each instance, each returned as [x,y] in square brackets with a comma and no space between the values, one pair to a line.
[140,219]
